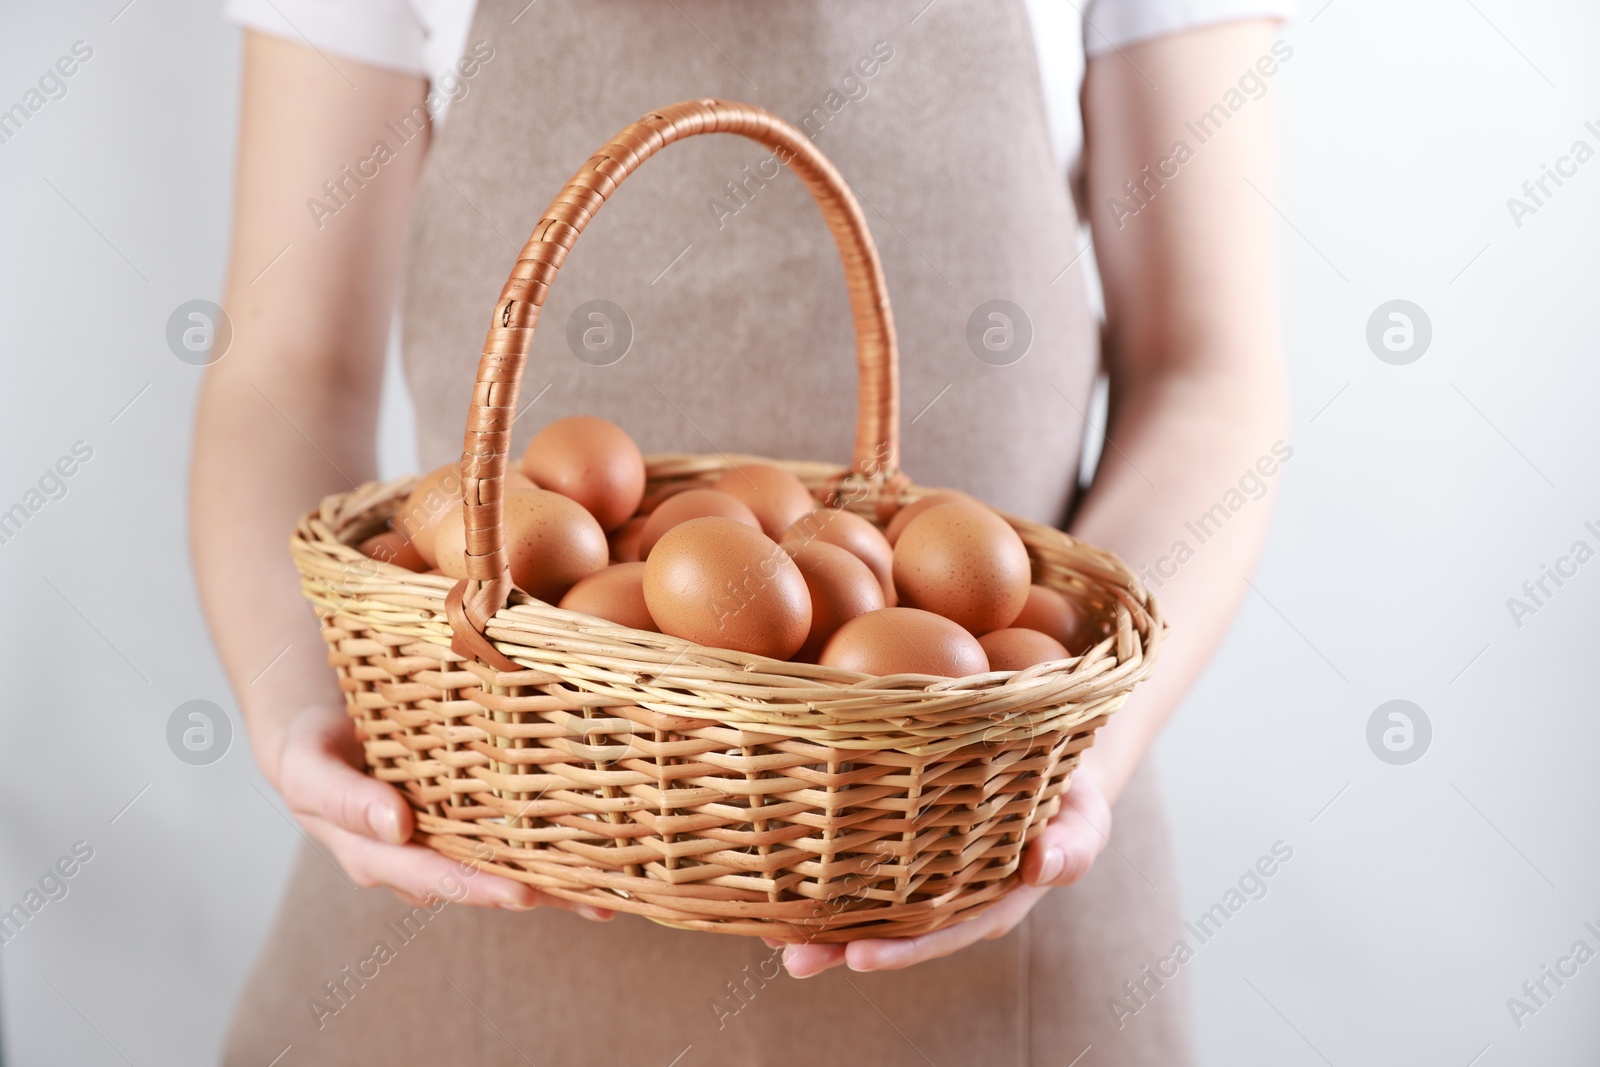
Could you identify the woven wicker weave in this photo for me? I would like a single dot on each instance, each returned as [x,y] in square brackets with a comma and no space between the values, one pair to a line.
[701,787]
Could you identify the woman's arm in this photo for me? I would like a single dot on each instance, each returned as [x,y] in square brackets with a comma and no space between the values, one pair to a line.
[289,415]
[1197,394]
[1197,398]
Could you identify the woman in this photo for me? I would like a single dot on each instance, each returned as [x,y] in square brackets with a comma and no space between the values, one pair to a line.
[956,122]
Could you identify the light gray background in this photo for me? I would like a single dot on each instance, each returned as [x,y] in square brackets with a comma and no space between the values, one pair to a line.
[1419,498]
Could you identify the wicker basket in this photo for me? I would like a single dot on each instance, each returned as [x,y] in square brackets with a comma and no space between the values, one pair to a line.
[700,787]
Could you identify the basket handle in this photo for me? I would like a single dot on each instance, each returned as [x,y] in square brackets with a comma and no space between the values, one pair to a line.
[486,449]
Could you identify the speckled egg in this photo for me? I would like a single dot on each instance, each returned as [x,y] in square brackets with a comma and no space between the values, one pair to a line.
[431,499]
[776,497]
[963,561]
[656,497]
[902,518]
[625,541]
[855,535]
[841,587]
[721,582]
[692,504]
[590,460]
[551,542]
[904,641]
[1054,613]
[391,547]
[615,594]
[1016,648]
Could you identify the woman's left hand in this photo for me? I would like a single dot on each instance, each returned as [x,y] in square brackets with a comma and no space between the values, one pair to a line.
[1061,855]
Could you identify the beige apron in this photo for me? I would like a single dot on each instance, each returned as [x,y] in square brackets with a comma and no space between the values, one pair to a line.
[733,335]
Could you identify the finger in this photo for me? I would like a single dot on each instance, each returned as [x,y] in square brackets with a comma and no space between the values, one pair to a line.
[316,780]
[1070,842]
[1062,853]
[592,912]
[895,953]
[322,785]
[417,872]
[421,875]
[803,961]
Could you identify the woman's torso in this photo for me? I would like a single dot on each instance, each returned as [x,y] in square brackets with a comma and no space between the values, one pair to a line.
[723,270]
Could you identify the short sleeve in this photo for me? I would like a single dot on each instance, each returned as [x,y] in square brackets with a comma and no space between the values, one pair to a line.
[384,33]
[1110,24]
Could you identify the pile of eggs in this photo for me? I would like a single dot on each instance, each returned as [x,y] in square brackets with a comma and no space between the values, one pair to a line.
[752,562]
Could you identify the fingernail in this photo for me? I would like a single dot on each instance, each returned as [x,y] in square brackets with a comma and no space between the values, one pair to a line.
[599,915]
[517,904]
[878,958]
[788,963]
[385,823]
[1055,861]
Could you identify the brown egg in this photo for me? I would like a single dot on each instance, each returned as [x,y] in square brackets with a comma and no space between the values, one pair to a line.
[551,543]
[431,498]
[853,534]
[1051,612]
[963,561]
[419,517]
[721,582]
[625,540]
[592,461]
[1016,648]
[776,497]
[903,517]
[391,547]
[904,641]
[615,594]
[692,504]
[654,497]
[841,587]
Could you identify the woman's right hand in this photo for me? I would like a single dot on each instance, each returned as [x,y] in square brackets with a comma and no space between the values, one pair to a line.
[365,825]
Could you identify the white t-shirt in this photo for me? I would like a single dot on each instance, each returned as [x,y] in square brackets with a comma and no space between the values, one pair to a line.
[428,36]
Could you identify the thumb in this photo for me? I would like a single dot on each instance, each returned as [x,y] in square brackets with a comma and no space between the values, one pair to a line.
[317,776]
[1074,838]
